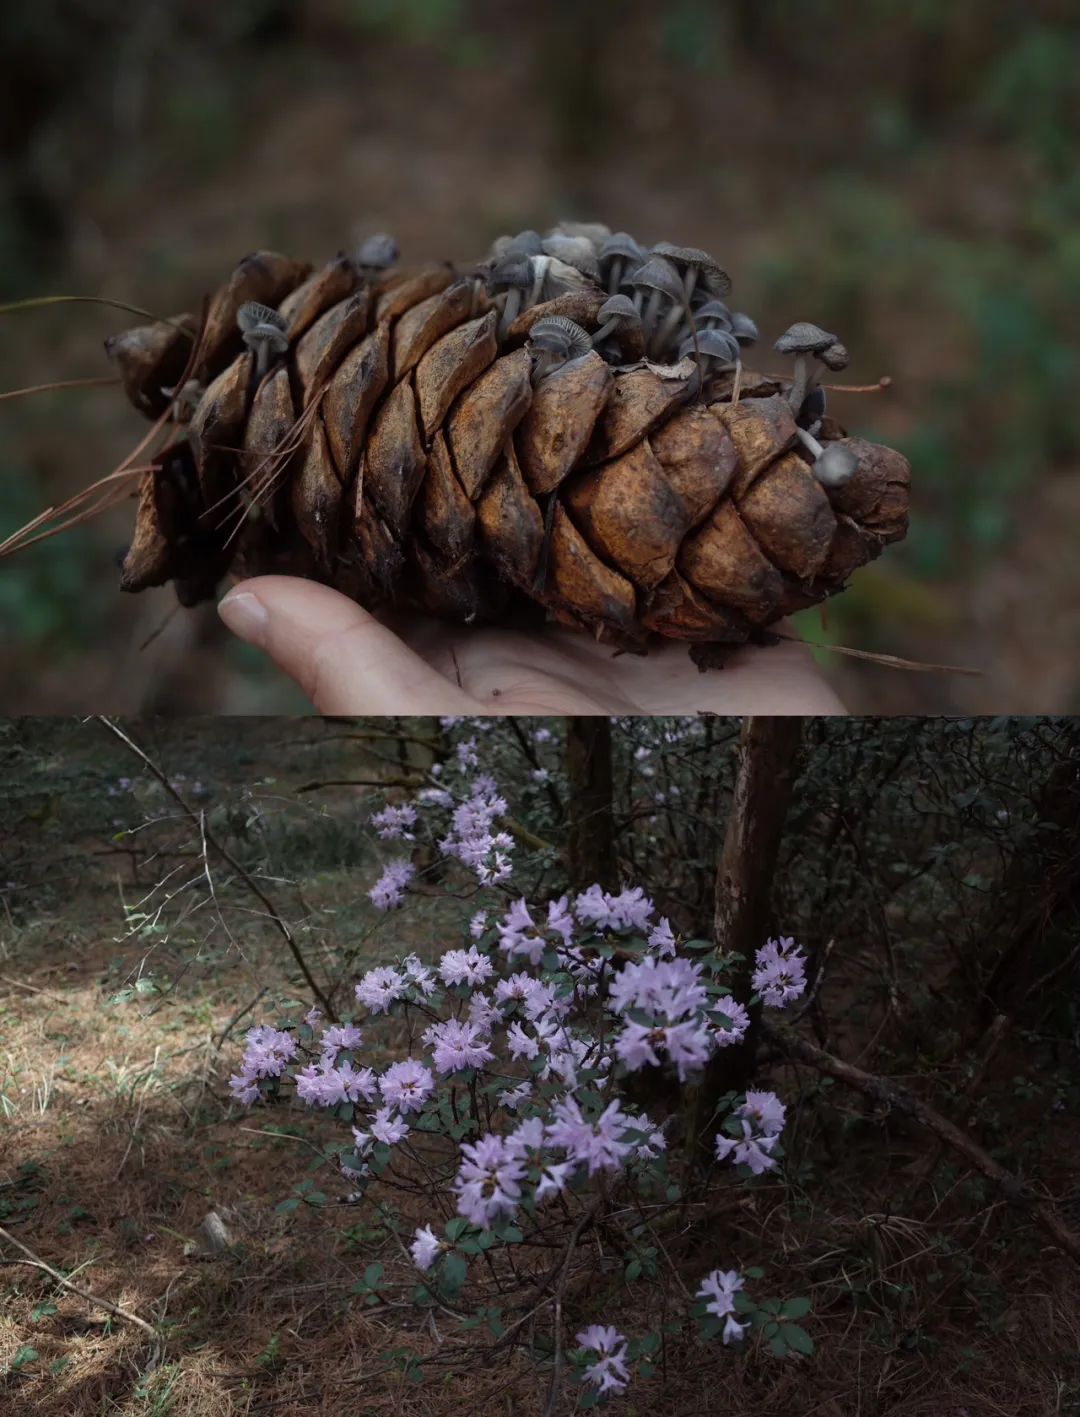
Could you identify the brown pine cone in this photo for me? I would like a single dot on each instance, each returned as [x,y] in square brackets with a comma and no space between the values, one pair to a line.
[568,427]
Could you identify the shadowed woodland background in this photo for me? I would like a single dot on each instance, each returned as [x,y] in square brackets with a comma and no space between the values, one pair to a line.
[930,869]
[906,174]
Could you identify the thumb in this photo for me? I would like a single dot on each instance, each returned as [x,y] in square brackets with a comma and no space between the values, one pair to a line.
[343,659]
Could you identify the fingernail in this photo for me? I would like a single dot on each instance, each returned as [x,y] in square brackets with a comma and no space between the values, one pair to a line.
[245,616]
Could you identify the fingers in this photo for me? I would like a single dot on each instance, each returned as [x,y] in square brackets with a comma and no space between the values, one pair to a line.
[339,654]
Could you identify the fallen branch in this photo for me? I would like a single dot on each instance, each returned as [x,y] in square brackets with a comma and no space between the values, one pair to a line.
[899,1098]
[38,1263]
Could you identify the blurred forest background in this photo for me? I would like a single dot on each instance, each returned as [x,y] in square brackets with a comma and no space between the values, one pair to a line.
[905,173]
[930,869]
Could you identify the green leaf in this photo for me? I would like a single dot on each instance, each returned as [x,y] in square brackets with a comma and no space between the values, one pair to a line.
[452,1273]
[795,1308]
[373,1275]
[285,1207]
[42,1311]
[778,1345]
[633,1270]
[456,1227]
[797,1338]
[23,1355]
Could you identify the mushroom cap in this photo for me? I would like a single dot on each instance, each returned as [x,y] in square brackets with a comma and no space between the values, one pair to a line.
[558,276]
[378,252]
[252,315]
[618,307]
[657,273]
[513,272]
[621,244]
[804,338]
[574,251]
[714,313]
[556,334]
[710,273]
[530,243]
[835,466]
[743,328]
[712,344]
[835,357]
[595,232]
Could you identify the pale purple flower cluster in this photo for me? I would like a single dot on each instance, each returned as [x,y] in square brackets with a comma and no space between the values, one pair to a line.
[380,987]
[599,1145]
[761,1119]
[389,890]
[406,1085]
[609,1372]
[488,1183]
[631,909]
[393,823]
[322,1085]
[468,967]
[455,1045]
[520,938]
[669,988]
[425,1248]
[780,972]
[720,1288]
[472,838]
[267,1052]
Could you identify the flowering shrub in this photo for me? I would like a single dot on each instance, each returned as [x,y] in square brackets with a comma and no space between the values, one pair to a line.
[501,1097]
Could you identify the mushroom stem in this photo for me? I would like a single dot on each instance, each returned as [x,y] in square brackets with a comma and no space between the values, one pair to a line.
[670,325]
[615,275]
[511,310]
[800,384]
[809,441]
[736,383]
[541,265]
[605,331]
[652,309]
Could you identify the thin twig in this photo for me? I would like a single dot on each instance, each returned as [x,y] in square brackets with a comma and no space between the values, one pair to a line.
[94,1299]
[33,989]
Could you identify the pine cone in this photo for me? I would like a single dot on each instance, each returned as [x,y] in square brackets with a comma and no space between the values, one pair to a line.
[565,429]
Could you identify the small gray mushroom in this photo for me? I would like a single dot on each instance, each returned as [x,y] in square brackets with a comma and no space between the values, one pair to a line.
[619,255]
[510,277]
[743,328]
[655,281]
[264,334]
[696,268]
[555,341]
[574,251]
[377,254]
[832,465]
[803,340]
[618,313]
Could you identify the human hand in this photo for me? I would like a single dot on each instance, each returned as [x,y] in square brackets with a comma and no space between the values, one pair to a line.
[349,662]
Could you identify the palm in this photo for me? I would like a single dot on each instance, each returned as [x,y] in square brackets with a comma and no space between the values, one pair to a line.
[347,661]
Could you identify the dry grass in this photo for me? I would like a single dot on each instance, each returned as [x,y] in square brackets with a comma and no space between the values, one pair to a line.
[118,1139]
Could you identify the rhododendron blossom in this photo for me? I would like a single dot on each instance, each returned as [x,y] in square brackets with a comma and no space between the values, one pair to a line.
[609,1372]
[719,1289]
[406,1085]
[780,972]
[389,890]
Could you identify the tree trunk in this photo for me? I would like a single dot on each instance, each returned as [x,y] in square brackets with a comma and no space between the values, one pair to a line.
[766,762]
[590,848]
[1037,905]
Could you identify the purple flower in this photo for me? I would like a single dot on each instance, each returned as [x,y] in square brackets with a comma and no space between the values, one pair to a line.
[418,974]
[393,823]
[520,1044]
[688,1045]
[518,935]
[321,1086]
[381,987]
[335,1038]
[661,939]
[488,1183]
[457,1045]
[597,1145]
[609,1372]
[425,1248]
[478,924]
[389,890]
[766,1111]
[719,1289]
[780,973]
[406,1085]
[388,1127]
[729,1021]
[671,988]
[465,967]
[761,1117]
